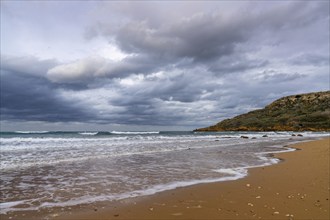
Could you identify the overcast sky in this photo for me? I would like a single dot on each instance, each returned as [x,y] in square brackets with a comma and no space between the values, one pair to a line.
[114,65]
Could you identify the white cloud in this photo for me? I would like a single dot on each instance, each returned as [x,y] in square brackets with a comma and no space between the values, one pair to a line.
[78,71]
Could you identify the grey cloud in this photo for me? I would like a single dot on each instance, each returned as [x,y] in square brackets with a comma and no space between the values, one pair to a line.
[273,76]
[295,14]
[183,69]
[32,98]
[232,64]
[89,69]
[310,59]
[199,38]
[206,35]
[26,65]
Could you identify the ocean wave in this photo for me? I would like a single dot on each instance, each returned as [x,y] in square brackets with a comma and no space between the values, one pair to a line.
[31,132]
[134,132]
[88,133]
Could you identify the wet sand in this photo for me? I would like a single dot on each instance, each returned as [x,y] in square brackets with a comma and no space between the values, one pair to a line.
[296,188]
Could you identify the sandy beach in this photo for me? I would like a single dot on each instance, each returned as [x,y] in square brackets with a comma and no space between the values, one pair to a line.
[296,188]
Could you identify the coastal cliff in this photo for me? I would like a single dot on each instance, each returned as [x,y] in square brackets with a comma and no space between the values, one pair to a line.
[303,112]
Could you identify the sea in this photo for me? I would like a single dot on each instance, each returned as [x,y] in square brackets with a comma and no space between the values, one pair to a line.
[45,169]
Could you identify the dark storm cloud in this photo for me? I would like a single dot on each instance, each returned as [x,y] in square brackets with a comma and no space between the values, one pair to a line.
[33,98]
[201,37]
[187,67]
[204,35]
[26,65]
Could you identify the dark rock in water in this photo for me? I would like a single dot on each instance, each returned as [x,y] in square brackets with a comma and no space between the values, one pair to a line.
[264,136]
[299,135]
[245,137]
[216,140]
[293,135]
[254,138]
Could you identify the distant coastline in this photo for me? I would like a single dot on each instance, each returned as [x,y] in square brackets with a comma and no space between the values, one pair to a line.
[302,112]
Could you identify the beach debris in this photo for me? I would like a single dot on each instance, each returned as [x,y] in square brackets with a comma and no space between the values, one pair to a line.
[151,209]
[317,203]
[276,213]
[289,215]
[248,185]
[245,137]
[259,187]
[258,197]
[277,193]
[250,204]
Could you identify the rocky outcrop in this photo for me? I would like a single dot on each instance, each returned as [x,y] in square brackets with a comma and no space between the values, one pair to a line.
[303,112]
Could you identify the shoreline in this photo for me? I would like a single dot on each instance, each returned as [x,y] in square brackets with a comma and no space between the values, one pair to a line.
[272,192]
[278,191]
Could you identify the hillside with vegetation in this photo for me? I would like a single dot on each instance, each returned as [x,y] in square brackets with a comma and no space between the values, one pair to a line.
[304,112]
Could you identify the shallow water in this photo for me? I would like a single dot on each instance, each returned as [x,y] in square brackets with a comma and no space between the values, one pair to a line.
[58,169]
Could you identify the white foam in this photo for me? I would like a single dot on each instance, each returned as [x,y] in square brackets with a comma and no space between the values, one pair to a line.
[88,133]
[31,132]
[9,206]
[236,173]
[134,132]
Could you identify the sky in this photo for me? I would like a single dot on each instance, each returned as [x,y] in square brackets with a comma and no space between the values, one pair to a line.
[155,65]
